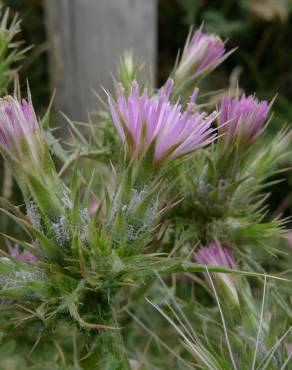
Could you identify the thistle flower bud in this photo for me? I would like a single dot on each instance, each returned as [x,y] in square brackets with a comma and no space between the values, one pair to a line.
[202,54]
[127,70]
[142,120]
[288,347]
[288,239]
[20,136]
[23,145]
[214,254]
[24,256]
[93,206]
[245,118]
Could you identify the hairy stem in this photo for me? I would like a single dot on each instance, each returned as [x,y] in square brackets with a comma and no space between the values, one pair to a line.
[110,352]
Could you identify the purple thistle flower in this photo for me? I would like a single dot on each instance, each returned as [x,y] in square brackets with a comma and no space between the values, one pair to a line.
[288,239]
[202,53]
[93,206]
[19,129]
[24,256]
[288,347]
[141,119]
[245,118]
[214,254]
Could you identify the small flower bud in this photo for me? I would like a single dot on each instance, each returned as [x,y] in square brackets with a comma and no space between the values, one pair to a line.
[242,119]
[24,256]
[216,255]
[20,136]
[202,53]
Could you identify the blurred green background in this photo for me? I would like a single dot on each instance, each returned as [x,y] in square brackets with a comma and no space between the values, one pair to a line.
[263,62]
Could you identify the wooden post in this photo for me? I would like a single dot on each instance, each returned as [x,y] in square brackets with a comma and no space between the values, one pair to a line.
[86,38]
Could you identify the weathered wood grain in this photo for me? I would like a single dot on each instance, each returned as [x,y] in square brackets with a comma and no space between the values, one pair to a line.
[86,38]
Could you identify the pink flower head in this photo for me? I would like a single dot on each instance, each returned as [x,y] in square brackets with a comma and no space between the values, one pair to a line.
[93,206]
[141,119]
[24,256]
[288,347]
[202,53]
[215,255]
[288,239]
[19,129]
[245,118]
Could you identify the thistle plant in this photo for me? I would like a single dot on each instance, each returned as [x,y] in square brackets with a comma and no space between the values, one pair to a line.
[176,177]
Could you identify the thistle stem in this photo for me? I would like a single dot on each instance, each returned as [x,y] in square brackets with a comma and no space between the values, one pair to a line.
[114,351]
[110,351]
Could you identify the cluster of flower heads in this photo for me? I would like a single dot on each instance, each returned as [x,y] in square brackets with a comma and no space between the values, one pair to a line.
[143,120]
[140,120]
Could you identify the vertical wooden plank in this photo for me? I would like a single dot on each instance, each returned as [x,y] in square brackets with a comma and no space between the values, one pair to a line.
[86,38]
